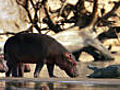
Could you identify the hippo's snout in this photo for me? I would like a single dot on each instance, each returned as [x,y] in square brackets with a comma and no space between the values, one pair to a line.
[73,72]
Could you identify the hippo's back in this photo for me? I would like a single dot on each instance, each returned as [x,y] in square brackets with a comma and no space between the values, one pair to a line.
[31,46]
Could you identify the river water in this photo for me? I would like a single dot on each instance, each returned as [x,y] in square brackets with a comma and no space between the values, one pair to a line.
[60,85]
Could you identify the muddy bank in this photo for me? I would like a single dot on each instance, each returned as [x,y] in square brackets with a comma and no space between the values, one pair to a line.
[82,68]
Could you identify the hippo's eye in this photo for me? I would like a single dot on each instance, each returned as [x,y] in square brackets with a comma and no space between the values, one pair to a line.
[67,55]
[70,56]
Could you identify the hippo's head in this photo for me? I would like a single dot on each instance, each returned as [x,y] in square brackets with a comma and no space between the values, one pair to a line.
[3,66]
[68,64]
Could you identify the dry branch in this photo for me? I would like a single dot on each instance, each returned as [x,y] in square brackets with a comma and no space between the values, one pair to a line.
[55,27]
[109,14]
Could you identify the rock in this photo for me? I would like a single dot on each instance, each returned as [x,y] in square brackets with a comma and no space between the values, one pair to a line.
[111,71]
[75,40]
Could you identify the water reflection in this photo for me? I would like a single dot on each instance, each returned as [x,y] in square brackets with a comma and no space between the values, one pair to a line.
[43,85]
[28,86]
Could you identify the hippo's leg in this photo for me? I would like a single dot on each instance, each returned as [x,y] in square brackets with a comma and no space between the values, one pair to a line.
[9,69]
[21,70]
[8,72]
[50,68]
[38,69]
[15,70]
[27,68]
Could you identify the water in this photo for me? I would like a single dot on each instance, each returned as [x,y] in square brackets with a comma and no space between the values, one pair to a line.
[58,85]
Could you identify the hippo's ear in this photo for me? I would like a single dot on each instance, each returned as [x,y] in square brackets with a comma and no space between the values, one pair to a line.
[67,54]
[70,58]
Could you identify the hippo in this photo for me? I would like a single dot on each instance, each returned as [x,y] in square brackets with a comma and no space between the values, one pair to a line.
[39,49]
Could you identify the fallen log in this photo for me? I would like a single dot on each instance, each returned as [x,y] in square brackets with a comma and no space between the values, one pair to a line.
[110,34]
[76,40]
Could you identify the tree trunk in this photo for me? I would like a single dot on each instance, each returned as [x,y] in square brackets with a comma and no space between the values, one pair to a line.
[75,40]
